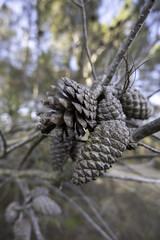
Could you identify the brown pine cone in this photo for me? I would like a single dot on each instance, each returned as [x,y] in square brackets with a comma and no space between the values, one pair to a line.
[109,107]
[73,109]
[134,104]
[104,146]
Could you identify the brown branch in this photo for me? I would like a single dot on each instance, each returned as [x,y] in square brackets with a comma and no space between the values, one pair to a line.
[129,40]
[146,130]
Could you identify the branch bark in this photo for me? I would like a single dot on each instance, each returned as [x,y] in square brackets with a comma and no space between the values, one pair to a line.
[146,130]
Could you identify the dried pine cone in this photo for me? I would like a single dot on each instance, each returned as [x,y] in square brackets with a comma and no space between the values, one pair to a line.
[109,107]
[104,146]
[59,151]
[22,229]
[134,104]
[73,109]
[46,206]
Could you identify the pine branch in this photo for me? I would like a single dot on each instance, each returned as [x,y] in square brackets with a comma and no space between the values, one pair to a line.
[85,34]
[37,174]
[133,179]
[93,209]
[146,130]
[128,42]
[79,209]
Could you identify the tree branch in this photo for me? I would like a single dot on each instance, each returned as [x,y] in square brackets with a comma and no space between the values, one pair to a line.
[93,209]
[86,38]
[133,179]
[129,40]
[4,144]
[37,174]
[77,207]
[146,130]
[148,147]
[33,146]
[20,144]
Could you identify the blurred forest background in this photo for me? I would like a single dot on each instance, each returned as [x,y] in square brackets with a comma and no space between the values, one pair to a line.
[42,41]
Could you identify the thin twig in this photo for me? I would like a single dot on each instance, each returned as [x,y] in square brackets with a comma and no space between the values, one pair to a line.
[20,144]
[146,130]
[148,147]
[153,93]
[77,207]
[86,39]
[4,144]
[139,156]
[33,146]
[133,179]
[93,209]
[129,40]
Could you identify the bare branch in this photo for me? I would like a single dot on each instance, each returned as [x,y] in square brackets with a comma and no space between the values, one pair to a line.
[35,224]
[93,209]
[86,38]
[33,146]
[134,179]
[83,213]
[153,93]
[20,144]
[129,40]
[148,147]
[4,144]
[146,130]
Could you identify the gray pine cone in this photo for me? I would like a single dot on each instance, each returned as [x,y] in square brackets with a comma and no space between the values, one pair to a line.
[134,104]
[73,109]
[38,191]
[22,229]
[59,151]
[109,107]
[46,206]
[11,213]
[104,146]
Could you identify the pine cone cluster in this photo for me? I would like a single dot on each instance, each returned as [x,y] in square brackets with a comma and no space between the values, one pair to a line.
[73,109]
[134,104]
[104,146]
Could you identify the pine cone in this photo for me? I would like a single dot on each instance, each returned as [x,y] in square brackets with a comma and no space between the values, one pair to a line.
[22,229]
[109,107]
[104,146]
[11,212]
[46,206]
[59,152]
[134,104]
[73,109]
